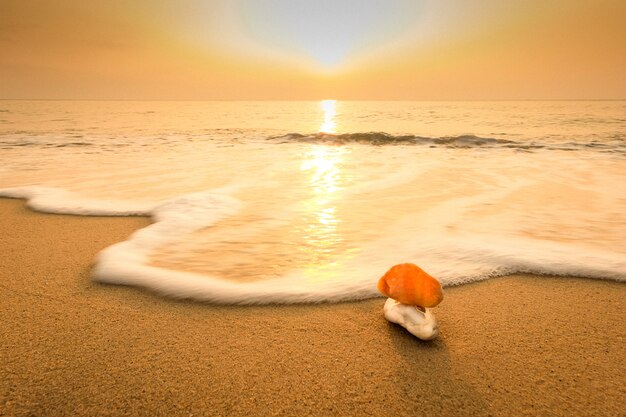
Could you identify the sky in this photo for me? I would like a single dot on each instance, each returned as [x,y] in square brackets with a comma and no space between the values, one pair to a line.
[313,50]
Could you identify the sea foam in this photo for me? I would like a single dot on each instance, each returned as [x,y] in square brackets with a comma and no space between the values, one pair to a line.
[59,201]
[454,260]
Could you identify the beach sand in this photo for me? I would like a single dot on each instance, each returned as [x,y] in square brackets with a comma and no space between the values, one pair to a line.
[519,345]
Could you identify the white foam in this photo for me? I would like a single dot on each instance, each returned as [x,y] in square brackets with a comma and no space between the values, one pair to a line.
[56,200]
[462,259]
[454,260]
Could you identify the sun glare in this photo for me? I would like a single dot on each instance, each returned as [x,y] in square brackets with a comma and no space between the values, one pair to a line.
[329,125]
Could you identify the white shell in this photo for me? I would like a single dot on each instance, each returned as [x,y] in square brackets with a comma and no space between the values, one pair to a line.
[419,324]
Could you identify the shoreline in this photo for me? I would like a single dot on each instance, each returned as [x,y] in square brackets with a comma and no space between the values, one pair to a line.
[517,345]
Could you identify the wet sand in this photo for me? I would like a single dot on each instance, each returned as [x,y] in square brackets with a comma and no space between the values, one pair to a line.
[519,345]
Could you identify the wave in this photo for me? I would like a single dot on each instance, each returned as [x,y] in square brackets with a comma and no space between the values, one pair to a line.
[70,144]
[23,143]
[455,261]
[382,138]
[614,145]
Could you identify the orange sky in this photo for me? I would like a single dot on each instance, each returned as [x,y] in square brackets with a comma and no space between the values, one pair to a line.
[271,49]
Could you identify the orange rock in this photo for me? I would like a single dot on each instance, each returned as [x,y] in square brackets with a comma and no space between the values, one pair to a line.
[409,284]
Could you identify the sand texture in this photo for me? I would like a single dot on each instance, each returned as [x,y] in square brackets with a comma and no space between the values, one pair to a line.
[514,346]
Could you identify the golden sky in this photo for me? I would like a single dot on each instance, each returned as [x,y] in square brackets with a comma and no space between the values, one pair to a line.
[296,49]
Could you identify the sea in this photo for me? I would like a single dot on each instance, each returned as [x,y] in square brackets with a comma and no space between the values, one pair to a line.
[311,201]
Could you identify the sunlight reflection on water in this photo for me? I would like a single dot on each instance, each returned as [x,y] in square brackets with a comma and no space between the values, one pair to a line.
[329,108]
[321,235]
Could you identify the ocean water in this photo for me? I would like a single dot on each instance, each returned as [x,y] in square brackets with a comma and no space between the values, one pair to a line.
[257,202]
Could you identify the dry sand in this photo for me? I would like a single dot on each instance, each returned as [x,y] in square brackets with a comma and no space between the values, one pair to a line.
[516,346]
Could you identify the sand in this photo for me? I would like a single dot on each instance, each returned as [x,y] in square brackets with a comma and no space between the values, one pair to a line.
[519,345]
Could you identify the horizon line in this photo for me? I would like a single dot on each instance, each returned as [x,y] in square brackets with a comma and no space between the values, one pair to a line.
[320,99]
